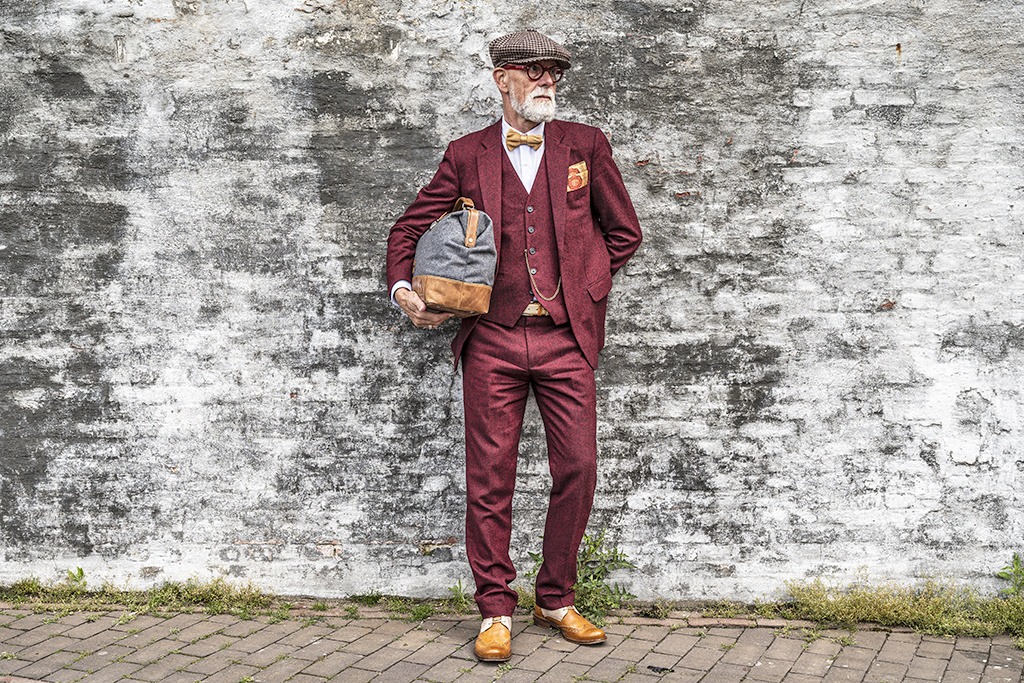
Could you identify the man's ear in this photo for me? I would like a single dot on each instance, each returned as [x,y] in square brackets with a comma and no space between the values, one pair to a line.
[501,79]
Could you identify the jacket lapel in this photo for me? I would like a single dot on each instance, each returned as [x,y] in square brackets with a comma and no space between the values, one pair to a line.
[557,160]
[489,174]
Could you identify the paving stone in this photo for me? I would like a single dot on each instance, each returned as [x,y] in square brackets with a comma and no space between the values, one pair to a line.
[541,659]
[926,669]
[811,664]
[430,654]
[967,661]
[305,678]
[45,666]
[770,670]
[47,647]
[153,652]
[318,649]
[198,631]
[306,636]
[10,666]
[366,645]
[101,658]
[823,646]
[936,649]
[633,650]
[445,671]
[281,670]
[349,633]
[683,676]
[27,638]
[261,658]
[403,672]
[609,669]
[332,664]
[232,674]
[855,658]
[885,672]
[869,640]
[213,663]
[655,633]
[207,646]
[29,622]
[258,641]
[65,676]
[757,636]
[726,673]
[960,677]
[657,660]
[973,644]
[701,658]
[89,629]
[636,677]
[243,628]
[897,650]
[743,655]
[715,642]
[99,641]
[589,655]
[113,673]
[164,668]
[138,623]
[801,678]
[676,643]
[785,649]
[382,659]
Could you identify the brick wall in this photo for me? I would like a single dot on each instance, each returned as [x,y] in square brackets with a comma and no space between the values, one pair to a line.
[813,366]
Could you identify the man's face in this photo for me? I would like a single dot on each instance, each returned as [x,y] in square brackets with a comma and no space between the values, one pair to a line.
[533,100]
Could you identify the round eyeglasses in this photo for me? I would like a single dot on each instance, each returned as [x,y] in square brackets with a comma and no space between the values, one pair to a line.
[536,70]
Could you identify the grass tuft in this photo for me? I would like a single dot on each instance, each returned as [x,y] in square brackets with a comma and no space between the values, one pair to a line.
[936,607]
[216,596]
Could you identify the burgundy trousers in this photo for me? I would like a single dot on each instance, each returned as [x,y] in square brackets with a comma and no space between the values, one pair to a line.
[499,365]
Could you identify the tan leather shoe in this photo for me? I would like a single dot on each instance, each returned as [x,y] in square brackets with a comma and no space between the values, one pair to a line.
[494,644]
[573,626]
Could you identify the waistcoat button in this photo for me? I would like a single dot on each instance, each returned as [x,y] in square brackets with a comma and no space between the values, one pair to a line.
[529,209]
[532,251]
[530,229]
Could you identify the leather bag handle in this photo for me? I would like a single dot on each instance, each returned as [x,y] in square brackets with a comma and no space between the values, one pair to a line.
[474,219]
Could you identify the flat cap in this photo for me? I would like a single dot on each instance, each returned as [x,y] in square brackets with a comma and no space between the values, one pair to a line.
[524,47]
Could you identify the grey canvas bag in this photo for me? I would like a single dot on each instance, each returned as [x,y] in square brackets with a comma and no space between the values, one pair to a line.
[455,262]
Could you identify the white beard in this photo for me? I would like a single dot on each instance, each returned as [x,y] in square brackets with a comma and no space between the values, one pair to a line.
[532,109]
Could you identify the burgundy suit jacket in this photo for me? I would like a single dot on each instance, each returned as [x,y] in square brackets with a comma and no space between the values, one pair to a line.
[595,226]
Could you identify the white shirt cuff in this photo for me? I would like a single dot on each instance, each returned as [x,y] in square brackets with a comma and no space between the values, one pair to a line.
[399,285]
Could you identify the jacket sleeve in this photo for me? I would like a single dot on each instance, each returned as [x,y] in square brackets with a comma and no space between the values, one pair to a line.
[432,201]
[612,206]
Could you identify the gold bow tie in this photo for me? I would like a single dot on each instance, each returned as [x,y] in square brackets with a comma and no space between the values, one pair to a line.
[513,139]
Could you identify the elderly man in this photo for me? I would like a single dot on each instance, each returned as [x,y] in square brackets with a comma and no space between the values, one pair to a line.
[563,226]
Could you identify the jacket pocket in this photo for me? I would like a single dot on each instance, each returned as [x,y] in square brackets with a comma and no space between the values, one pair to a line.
[599,288]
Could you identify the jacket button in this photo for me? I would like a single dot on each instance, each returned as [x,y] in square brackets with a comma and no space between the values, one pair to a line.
[530,229]
[533,271]
[529,209]
[532,251]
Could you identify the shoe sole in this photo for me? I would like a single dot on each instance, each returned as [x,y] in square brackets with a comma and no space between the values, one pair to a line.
[542,621]
[494,659]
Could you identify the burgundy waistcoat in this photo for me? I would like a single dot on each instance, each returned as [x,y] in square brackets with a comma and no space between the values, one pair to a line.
[526,223]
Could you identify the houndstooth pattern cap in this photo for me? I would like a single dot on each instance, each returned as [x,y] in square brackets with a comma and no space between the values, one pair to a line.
[524,47]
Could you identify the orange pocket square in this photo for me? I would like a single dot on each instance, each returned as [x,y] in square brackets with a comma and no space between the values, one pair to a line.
[578,176]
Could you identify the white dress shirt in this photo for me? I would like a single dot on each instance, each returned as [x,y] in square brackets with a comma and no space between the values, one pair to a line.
[525,160]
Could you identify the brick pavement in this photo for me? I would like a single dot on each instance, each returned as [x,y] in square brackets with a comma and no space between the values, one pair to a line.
[317,647]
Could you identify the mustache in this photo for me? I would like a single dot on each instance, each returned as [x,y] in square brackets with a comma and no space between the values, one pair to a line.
[543,92]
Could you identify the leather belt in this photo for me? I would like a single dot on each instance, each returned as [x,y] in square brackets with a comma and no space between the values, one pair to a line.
[535,309]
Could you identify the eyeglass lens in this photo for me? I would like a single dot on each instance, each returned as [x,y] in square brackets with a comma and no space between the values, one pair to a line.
[535,71]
